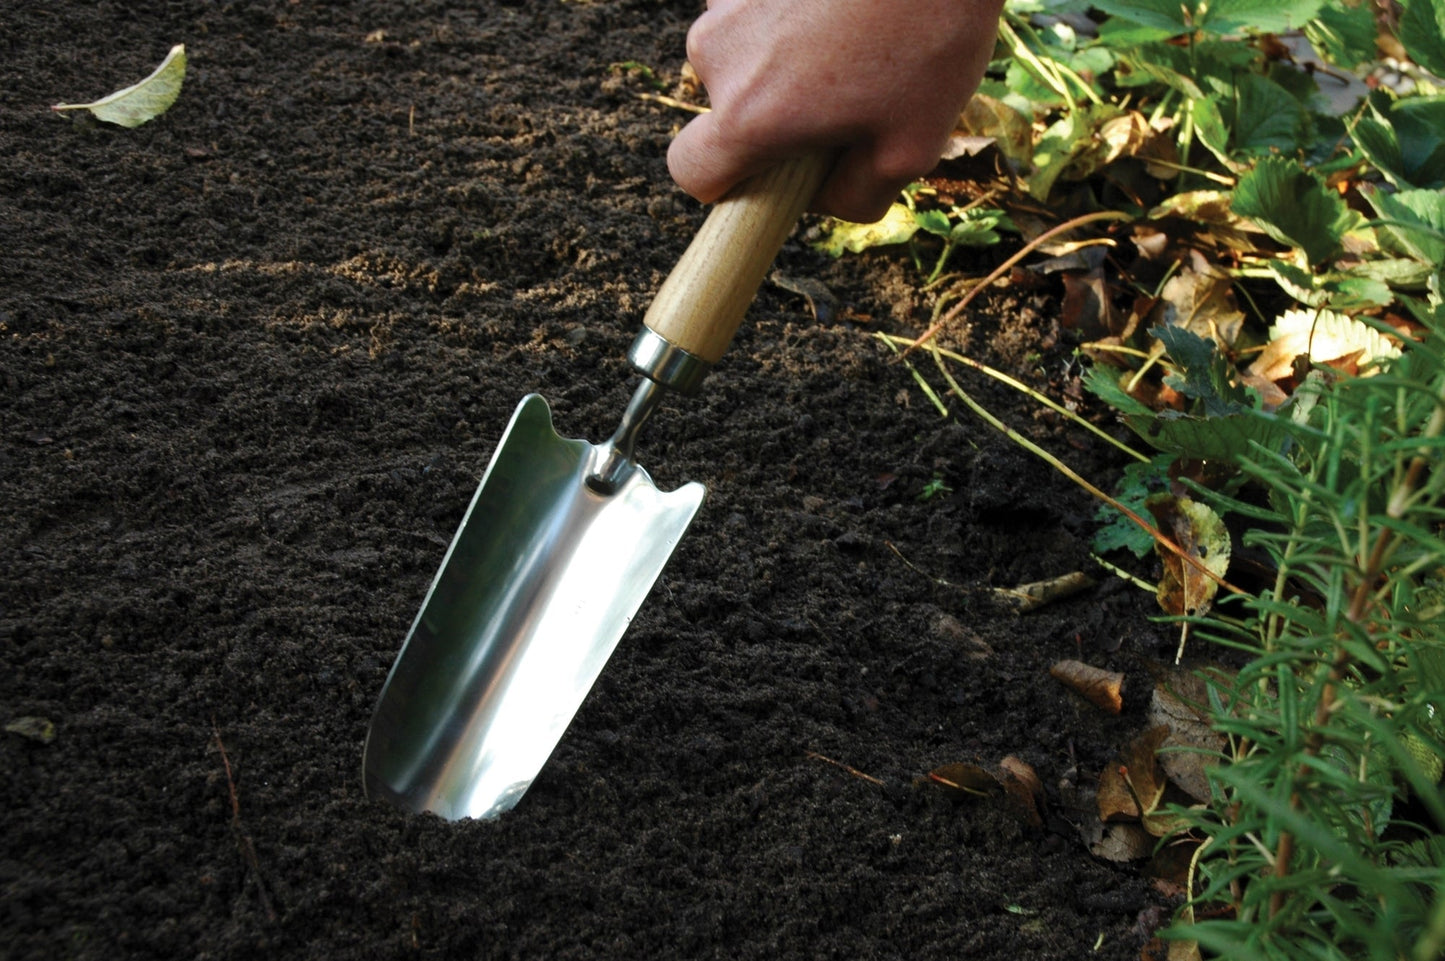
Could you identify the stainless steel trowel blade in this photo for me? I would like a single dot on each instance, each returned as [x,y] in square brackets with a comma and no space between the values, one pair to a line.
[538,586]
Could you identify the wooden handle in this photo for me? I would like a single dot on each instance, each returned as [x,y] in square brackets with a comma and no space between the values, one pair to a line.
[701,304]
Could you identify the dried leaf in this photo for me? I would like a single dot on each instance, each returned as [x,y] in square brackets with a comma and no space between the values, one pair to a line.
[1024,790]
[1104,689]
[143,101]
[1199,299]
[1137,780]
[1190,735]
[986,117]
[40,729]
[1200,533]
[1322,336]
[1030,597]
[1123,842]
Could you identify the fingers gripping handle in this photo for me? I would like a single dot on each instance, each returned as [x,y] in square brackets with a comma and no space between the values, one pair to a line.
[701,304]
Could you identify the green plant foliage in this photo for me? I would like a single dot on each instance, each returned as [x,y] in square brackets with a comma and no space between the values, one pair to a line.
[1405,141]
[1414,223]
[1139,482]
[1422,32]
[1344,35]
[1333,717]
[1294,206]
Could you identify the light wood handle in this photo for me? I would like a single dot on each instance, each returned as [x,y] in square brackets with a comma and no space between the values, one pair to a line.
[701,304]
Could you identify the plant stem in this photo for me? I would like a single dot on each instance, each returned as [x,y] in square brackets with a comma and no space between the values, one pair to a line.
[1008,265]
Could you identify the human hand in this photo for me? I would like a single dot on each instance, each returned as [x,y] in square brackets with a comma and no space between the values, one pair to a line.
[878,82]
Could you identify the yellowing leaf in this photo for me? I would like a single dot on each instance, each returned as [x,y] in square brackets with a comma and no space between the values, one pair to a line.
[143,101]
[897,226]
[1200,533]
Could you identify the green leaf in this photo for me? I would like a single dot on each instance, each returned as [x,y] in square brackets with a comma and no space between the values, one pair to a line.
[1215,16]
[1138,483]
[1358,288]
[1266,117]
[1415,222]
[1204,373]
[897,226]
[933,221]
[1422,31]
[1226,438]
[1103,384]
[1420,130]
[1294,206]
[1170,17]
[1274,16]
[1407,144]
[1344,36]
[978,228]
[143,101]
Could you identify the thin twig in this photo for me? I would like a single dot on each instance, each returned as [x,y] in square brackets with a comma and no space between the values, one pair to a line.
[851,770]
[1008,265]
[243,840]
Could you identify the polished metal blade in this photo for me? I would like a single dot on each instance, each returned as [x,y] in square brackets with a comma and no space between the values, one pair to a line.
[537,588]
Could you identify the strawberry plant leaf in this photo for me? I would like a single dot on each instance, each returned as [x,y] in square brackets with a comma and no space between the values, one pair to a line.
[141,102]
[1138,483]
[1407,144]
[1294,206]
[1266,117]
[1422,31]
[1204,373]
[1164,18]
[1343,35]
[1237,16]
[1415,222]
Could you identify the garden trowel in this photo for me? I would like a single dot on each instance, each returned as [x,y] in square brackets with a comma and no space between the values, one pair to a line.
[561,544]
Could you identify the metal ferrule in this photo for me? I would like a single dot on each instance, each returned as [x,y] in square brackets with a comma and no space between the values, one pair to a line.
[665,363]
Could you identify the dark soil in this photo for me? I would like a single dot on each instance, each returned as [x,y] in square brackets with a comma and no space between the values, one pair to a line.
[254,357]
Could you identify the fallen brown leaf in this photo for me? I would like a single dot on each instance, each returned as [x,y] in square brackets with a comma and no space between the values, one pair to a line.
[1103,689]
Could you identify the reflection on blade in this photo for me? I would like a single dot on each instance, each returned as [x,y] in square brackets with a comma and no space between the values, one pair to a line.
[539,584]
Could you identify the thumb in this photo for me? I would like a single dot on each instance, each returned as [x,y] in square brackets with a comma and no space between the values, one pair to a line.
[706,164]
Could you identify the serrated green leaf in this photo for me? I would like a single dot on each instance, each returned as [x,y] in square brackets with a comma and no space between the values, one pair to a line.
[977,228]
[1267,117]
[1204,374]
[1138,483]
[1103,384]
[144,101]
[1294,206]
[1276,16]
[1224,438]
[1407,142]
[1367,285]
[1419,124]
[1170,17]
[1422,32]
[1343,35]
[1415,222]
[897,226]
[933,221]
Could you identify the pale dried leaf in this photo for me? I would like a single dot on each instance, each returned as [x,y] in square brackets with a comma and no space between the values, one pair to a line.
[1322,336]
[1123,842]
[1190,735]
[143,101]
